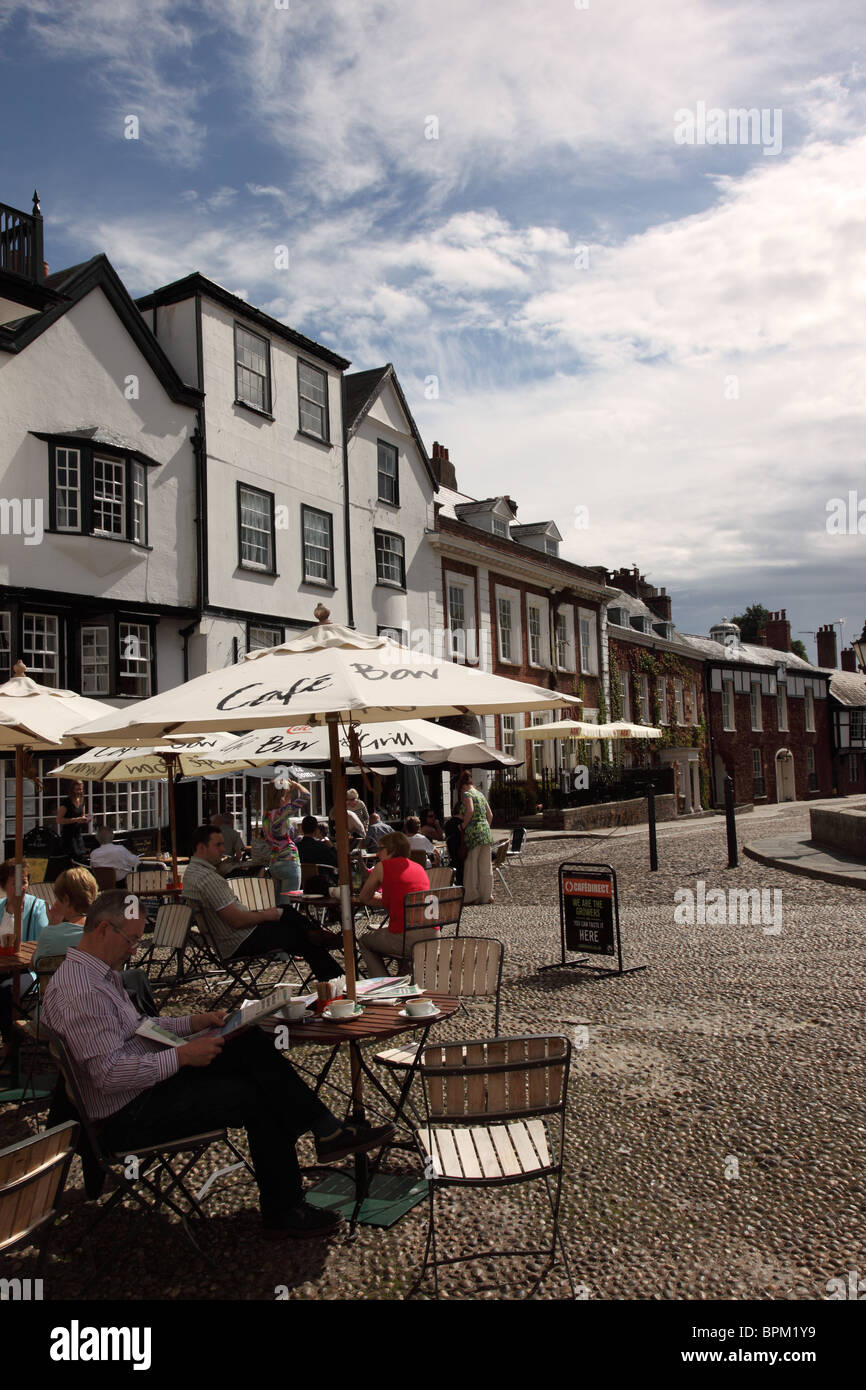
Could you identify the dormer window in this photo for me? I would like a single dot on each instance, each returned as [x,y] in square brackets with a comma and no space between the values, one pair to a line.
[617,617]
[500,527]
[551,547]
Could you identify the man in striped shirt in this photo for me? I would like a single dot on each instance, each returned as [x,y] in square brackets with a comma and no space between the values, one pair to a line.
[139,1092]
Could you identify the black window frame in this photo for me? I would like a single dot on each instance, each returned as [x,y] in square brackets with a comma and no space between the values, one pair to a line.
[324,438]
[267,409]
[319,583]
[392,449]
[87,455]
[250,565]
[266,627]
[137,620]
[393,535]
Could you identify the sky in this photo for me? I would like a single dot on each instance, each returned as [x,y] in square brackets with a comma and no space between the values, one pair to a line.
[610,297]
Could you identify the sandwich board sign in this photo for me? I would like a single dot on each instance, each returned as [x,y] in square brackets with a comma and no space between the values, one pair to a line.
[589,919]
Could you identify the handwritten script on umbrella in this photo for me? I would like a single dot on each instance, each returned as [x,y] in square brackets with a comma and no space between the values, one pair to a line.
[308,687]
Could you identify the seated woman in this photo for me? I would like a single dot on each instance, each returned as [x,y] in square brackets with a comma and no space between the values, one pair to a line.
[76,889]
[396,874]
[430,825]
[34,917]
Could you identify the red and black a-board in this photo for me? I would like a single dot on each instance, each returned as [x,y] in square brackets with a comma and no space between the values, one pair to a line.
[589,919]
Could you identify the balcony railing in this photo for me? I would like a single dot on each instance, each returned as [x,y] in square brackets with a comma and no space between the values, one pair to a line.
[21,241]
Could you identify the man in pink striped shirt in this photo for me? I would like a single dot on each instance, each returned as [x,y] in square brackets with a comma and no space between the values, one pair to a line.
[139,1092]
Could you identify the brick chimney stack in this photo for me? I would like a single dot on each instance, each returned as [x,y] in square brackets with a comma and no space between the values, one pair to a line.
[443,469]
[778,632]
[849,659]
[660,604]
[826,639]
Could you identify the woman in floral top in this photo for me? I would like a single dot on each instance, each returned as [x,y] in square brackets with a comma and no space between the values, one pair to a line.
[285,865]
[478,866]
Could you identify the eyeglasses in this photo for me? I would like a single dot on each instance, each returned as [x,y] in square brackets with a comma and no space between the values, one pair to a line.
[133,941]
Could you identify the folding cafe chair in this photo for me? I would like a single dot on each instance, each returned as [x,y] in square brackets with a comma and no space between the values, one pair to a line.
[499,859]
[161,1170]
[32,1176]
[244,972]
[495,1116]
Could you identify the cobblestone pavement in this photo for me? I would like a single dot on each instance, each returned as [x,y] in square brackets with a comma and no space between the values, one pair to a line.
[716,1113]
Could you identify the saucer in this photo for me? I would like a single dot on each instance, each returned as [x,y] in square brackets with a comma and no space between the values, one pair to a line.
[326,1013]
[419,1018]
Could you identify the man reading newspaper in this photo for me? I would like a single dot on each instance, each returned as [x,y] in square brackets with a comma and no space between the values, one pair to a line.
[140,1092]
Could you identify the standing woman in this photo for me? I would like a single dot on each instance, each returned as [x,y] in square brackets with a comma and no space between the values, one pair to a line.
[285,863]
[477,819]
[72,819]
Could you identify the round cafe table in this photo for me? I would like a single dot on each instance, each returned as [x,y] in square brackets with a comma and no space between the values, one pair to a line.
[376,1024]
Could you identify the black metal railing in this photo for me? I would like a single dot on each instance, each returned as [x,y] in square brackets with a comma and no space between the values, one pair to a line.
[21,241]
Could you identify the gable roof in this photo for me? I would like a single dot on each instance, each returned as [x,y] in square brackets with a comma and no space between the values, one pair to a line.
[77,282]
[360,390]
[484,504]
[849,688]
[536,528]
[196,283]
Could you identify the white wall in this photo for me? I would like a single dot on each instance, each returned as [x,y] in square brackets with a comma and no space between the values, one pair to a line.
[175,328]
[377,605]
[72,377]
[272,455]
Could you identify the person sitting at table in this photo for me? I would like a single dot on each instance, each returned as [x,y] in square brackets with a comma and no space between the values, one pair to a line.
[314,850]
[430,825]
[112,856]
[239,932]
[140,1093]
[376,830]
[235,847]
[357,807]
[419,842]
[396,874]
[34,919]
[76,890]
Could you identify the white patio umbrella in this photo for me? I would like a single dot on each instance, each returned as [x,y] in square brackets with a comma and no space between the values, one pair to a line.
[578,728]
[308,743]
[471,755]
[193,758]
[35,717]
[330,675]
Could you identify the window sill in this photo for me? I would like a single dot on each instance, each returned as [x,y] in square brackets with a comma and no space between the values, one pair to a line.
[386,502]
[255,410]
[97,536]
[317,438]
[390,584]
[254,569]
[320,584]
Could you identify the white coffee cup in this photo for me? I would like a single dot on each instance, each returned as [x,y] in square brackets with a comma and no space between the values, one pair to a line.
[342,1008]
[417,1008]
[295,1009]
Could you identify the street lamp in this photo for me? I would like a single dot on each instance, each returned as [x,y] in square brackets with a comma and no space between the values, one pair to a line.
[859,645]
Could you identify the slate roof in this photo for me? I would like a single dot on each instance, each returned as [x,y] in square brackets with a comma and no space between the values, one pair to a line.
[849,688]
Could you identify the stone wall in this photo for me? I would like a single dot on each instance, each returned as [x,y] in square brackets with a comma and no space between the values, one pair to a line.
[608,813]
[843,830]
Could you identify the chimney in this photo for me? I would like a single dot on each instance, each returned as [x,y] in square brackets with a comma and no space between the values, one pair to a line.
[660,603]
[443,469]
[826,639]
[778,632]
[849,660]
[761,639]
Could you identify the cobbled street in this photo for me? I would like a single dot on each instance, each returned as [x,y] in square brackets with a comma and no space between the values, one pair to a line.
[716,1107]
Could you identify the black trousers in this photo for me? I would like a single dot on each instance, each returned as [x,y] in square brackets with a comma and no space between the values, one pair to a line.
[291,934]
[250,1086]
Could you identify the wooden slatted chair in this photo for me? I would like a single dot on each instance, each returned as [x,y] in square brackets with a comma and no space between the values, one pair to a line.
[32,1177]
[484,1104]
[499,859]
[468,967]
[144,881]
[426,909]
[31,1028]
[161,1170]
[45,891]
[255,894]
[244,972]
[171,935]
[441,877]
[419,856]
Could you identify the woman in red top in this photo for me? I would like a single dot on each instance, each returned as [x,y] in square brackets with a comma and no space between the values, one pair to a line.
[396,874]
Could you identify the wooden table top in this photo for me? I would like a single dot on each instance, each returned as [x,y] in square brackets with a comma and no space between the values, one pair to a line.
[377,1021]
[22,959]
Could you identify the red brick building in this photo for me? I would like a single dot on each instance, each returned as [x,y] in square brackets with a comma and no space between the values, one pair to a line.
[769,717]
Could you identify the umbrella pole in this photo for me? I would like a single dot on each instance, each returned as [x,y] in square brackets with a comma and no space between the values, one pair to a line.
[338,782]
[170,759]
[19,841]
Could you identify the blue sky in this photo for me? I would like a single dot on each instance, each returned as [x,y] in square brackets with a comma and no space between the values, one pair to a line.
[669,334]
